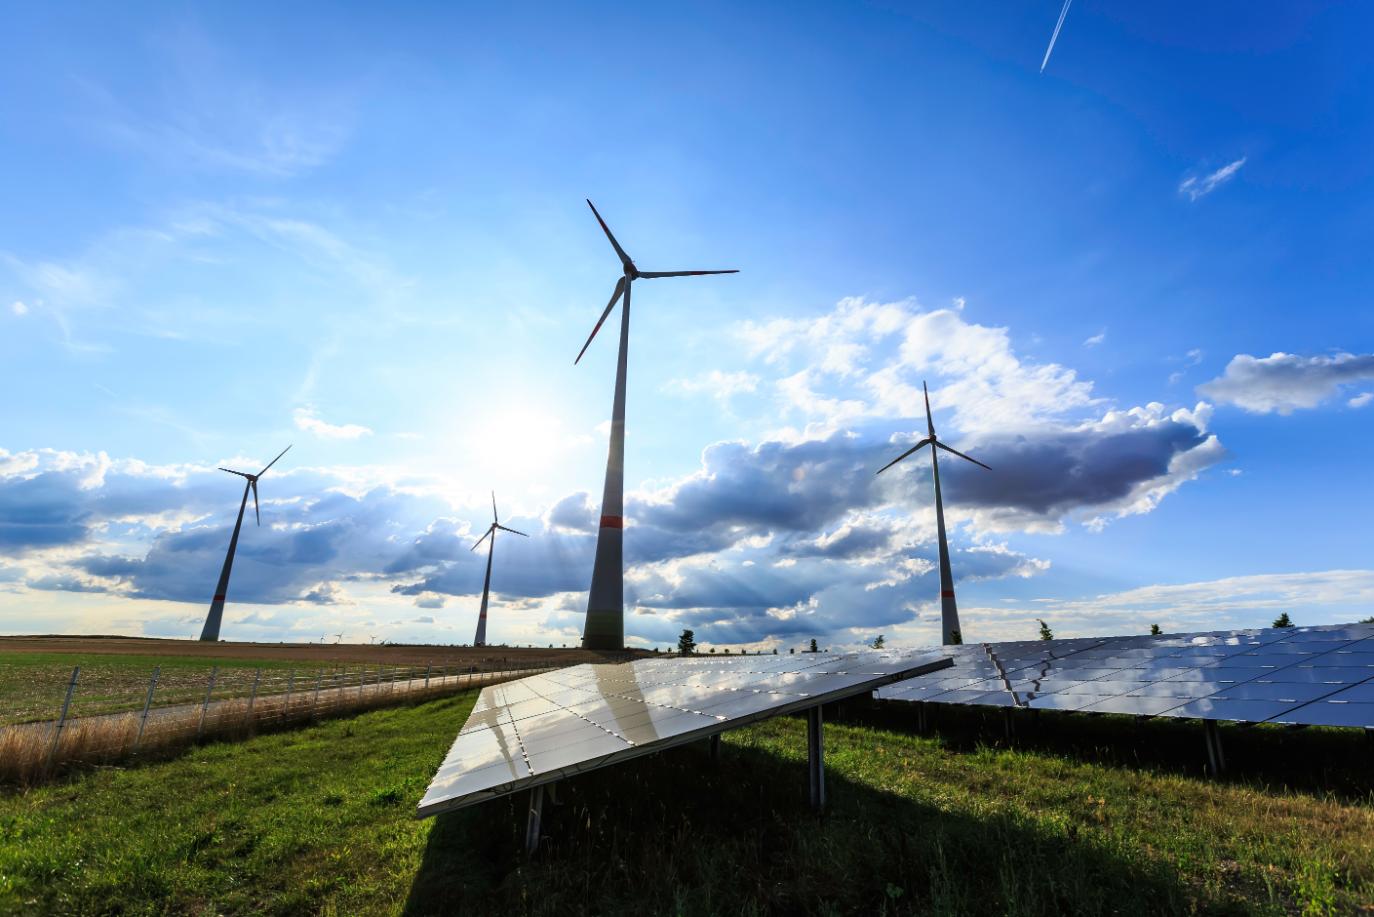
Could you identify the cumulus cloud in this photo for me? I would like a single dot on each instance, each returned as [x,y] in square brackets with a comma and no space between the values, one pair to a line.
[1199,186]
[1361,400]
[1286,382]
[308,419]
[19,308]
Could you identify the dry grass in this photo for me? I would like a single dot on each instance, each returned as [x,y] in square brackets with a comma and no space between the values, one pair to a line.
[34,753]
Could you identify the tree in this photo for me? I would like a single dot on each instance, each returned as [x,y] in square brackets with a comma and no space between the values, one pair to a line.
[814,648]
[1368,620]
[955,638]
[1283,620]
[687,643]
[1155,631]
[878,642]
[1045,632]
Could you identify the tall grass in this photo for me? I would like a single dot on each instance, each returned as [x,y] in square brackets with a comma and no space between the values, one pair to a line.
[36,752]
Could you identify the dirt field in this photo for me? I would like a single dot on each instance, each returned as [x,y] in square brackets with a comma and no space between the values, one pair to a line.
[484,657]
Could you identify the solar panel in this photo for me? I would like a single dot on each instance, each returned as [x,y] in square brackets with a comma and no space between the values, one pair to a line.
[1305,675]
[533,731]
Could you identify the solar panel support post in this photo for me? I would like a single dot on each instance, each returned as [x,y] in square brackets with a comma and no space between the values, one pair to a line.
[533,819]
[1009,724]
[715,748]
[815,756]
[1216,759]
[922,719]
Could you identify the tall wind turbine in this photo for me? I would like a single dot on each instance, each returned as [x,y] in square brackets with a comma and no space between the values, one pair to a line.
[605,625]
[949,611]
[481,638]
[212,621]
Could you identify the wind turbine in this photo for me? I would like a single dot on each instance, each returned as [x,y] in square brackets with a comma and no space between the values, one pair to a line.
[212,621]
[949,611]
[481,638]
[605,625]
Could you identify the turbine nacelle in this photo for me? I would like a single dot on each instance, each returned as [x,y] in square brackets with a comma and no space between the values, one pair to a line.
[630,273]
[252,480]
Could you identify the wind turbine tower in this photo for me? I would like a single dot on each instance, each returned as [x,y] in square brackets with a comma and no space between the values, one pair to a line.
[605,625]
[481,638]
[949,611]
[212,620]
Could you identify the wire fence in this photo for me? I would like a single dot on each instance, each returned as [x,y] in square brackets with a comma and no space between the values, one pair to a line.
[117,724]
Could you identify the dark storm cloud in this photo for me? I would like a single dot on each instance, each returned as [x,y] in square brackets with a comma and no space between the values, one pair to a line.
[1060,472]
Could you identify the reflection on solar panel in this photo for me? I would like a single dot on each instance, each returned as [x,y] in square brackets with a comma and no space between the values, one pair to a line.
[536,730]
[1315,676]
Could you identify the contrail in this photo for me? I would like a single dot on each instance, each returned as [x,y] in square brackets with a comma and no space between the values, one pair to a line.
[1055,37]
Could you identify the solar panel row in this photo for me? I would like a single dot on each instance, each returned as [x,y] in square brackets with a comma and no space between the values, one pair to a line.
[536,730]
[1317,676]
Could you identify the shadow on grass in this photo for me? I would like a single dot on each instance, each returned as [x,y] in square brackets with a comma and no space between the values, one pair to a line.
[676,834]
[1324,762]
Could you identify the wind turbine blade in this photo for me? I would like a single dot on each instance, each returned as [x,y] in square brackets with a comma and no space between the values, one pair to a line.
[494,517]
[624,258]
[274,461]
[960,454]
[652,274]
[1055,37]
[242,474]
[615,298]
[923,442]
[256,511]
[930,423]
[483,538]
[512,531]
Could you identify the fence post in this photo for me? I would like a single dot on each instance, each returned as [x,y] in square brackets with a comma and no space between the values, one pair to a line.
[209,689]
[253,698]
[62,720]
[290,686]
[314,704]
[147,702]
[428,666]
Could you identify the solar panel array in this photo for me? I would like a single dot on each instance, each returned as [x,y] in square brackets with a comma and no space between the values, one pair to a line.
[534,731]
[1316,676]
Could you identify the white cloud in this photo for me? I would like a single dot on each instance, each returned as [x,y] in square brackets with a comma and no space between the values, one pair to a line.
[1096,339]
[866,361]
[1361,400]
[19,308]
[1286,382]
[1195,187]
[719,385]
[308,420]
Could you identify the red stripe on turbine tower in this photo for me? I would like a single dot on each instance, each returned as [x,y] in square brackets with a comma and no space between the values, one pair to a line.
[612,522]
[946,593]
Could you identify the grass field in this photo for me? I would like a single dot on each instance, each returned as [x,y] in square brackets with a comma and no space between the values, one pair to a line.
[35,671]
[1088,816]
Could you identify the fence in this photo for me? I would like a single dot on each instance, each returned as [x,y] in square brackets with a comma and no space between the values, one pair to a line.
[118,726]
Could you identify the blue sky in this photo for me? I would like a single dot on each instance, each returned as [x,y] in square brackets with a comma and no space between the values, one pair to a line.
[1137,284]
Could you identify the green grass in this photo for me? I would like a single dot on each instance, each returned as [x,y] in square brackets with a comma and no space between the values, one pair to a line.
[318,821]
[32,685]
